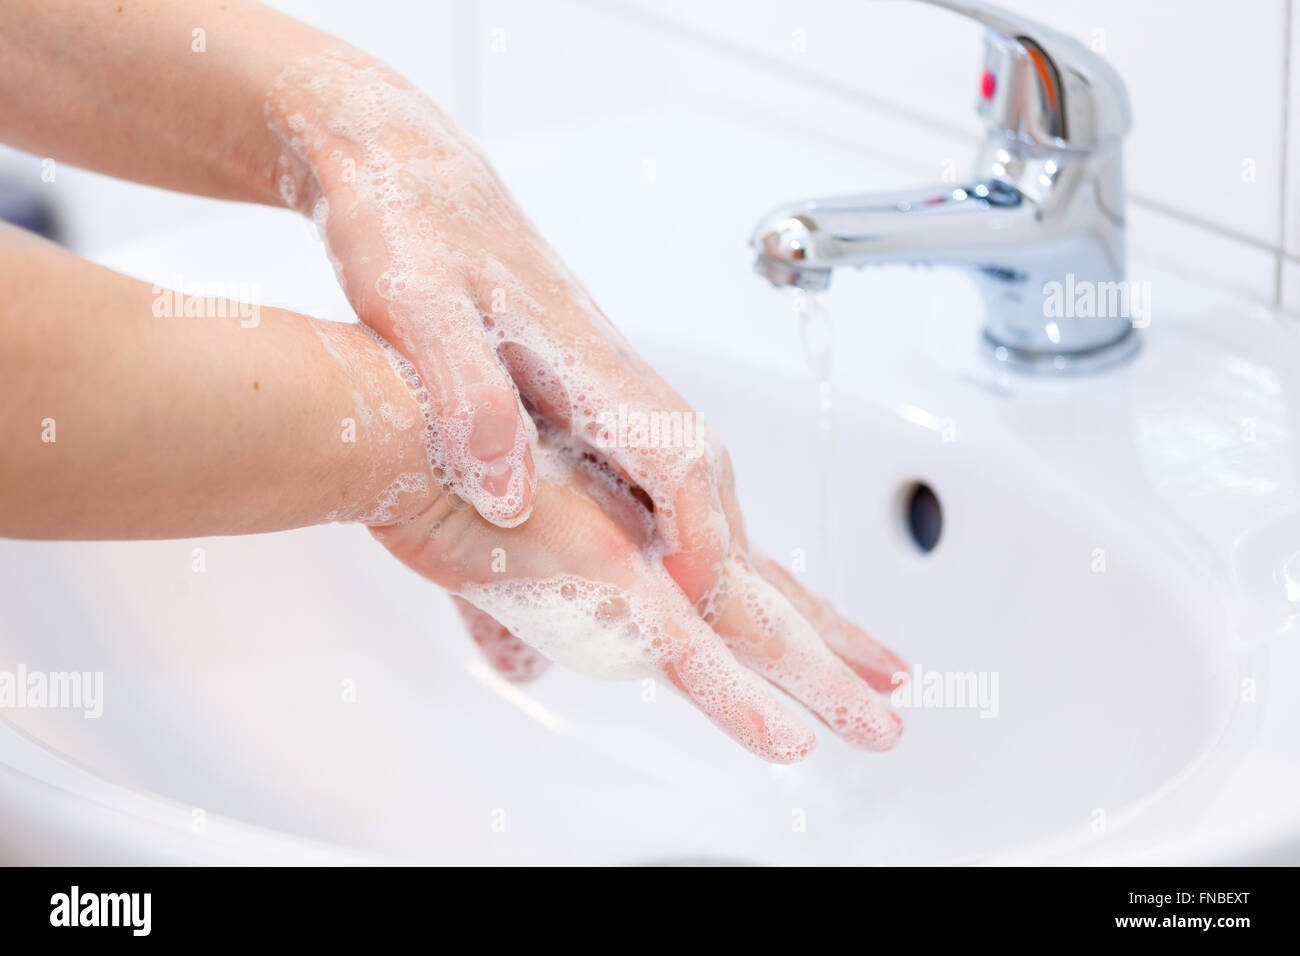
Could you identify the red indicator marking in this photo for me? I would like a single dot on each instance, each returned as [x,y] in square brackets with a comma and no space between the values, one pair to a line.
[988,84]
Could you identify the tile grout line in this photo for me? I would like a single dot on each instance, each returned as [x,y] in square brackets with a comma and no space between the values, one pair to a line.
[1287,66]
[1173,212]
[467,26]
[757,59]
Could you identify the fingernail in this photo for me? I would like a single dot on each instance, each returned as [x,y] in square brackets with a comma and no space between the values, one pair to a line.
[694,571]
[495,425]
[496,479]
[881,734]
[790,741]
[894,730]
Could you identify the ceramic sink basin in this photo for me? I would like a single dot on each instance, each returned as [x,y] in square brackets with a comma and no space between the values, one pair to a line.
[1119,560]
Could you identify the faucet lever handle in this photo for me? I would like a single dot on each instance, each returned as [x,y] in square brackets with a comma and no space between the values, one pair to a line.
[1042,90]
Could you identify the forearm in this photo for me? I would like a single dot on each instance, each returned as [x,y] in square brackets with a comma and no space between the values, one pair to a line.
[120,87]
[118,422]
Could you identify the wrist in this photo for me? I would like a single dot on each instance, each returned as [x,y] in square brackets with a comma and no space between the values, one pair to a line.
[386,477]
[311,115]
[345,122]
[258,45]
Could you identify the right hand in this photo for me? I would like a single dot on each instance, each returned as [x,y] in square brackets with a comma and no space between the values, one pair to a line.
[435,255]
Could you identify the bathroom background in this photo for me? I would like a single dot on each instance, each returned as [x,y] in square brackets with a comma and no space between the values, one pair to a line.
[1220,207]
[636,133]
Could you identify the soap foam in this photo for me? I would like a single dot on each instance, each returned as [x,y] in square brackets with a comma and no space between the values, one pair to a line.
[513,659]
[447,226]
[612,634]
[408,168]
[441,230]
[783,647]
[592,628]
[386,429]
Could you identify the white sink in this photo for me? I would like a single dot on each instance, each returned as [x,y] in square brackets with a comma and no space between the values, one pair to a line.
[1122,551]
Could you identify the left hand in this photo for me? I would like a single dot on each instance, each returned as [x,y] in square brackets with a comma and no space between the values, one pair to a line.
[581,583]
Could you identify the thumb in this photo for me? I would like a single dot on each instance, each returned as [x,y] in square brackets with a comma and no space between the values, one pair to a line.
[479,437]
[512,658]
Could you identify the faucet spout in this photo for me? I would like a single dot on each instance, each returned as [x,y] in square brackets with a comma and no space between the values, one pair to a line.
[802,243]
[1043,209]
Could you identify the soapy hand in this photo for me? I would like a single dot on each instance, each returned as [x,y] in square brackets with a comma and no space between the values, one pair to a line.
[583,583]
[634,562]
[436,256]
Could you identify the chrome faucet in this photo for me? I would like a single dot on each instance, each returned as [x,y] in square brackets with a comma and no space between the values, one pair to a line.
[1045,205]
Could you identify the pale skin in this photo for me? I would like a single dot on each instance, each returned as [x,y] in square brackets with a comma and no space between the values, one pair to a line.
[170,426]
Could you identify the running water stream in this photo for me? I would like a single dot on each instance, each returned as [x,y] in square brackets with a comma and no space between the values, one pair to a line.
[817,334]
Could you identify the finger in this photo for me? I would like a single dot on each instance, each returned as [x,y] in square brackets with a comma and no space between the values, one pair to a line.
[511,657]
[599,391]
[879,666]
[769,636]
[701,667]
[649,629]
[479,434]
[688,514]
[730,503]
[577,588]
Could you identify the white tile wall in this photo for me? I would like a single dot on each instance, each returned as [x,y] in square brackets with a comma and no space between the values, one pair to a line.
[899,55]
[1291,285]
[1291,169]
[1209,83]
[1207,80]
[1215,89]
[419,37]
